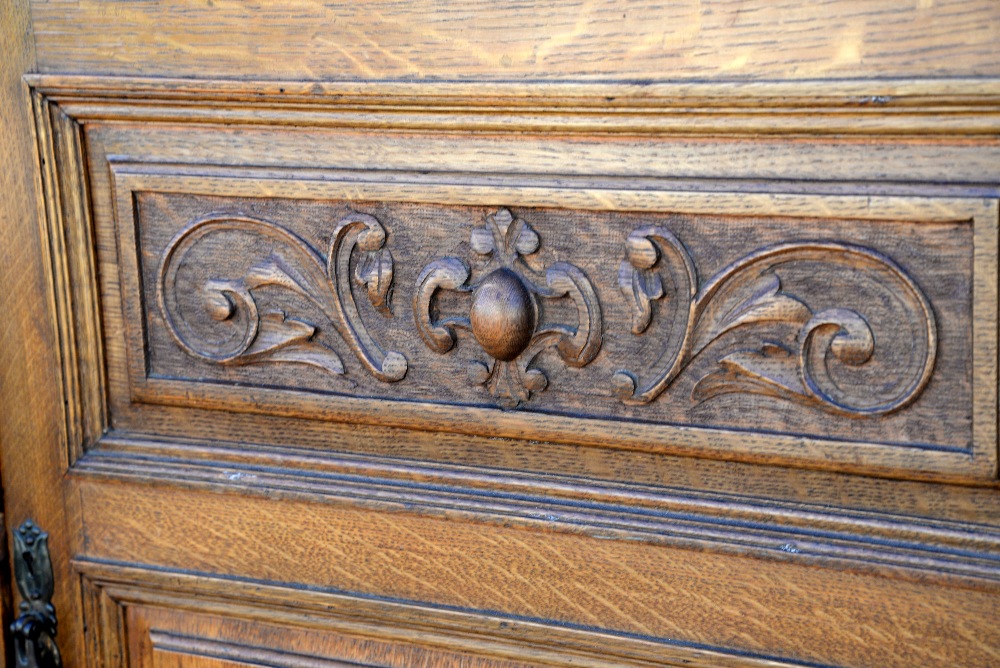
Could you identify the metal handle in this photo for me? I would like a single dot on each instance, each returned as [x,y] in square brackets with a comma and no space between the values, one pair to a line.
[34,630]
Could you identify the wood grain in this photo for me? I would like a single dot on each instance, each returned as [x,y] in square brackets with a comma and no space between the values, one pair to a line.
[688,596]
[245,515]
[615,40]
[197,605]
[32,415]
[806,533]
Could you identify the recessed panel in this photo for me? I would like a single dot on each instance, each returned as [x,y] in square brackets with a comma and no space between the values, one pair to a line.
[825,327]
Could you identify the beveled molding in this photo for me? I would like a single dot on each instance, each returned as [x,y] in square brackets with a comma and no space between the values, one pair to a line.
[832,107]
[110,588]
[67,234]
[901,547]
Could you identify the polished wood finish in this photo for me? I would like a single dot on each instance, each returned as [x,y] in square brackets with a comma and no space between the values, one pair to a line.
[495,336]
[374,341]
[621,40]
[32,426]
[553,573]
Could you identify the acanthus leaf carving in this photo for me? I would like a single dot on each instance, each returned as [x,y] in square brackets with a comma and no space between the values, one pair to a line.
[504,315]
[236,333]
[748,292]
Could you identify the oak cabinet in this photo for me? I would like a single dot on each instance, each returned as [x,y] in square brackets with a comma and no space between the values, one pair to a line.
[418,334]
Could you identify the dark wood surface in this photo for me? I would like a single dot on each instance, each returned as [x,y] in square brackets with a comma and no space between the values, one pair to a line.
[201,253]
[502,336]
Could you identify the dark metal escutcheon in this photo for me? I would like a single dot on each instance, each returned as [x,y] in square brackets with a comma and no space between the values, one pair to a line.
[34,630]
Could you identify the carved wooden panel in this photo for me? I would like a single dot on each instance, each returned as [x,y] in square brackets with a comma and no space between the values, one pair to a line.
[298,328]
[829,327]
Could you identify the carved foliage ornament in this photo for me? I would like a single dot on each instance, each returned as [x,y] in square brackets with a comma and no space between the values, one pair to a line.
[748,292]
[504,315]
[222,322]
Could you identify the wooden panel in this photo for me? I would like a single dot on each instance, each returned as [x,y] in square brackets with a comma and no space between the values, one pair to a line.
[182,611]
[349,344]
[711,219]
[558,41]
[313,492]
[880,542]
[674,595]
[935,250]
[170,639]
[32,399]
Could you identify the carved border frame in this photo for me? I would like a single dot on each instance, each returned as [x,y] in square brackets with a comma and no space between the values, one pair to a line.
[63,104]
[67,233]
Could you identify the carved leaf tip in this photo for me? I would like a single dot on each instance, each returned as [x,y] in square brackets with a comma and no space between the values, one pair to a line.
[527,241]
[394,367]
[284,339]
[375,272]
[772,370]
[761,301]
[502,219]
[640,289]
[624,384]
[481,241]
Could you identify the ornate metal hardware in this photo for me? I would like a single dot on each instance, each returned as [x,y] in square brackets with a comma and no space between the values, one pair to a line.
[34,630]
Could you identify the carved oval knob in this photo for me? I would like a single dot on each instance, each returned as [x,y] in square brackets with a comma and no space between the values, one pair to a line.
[503,315]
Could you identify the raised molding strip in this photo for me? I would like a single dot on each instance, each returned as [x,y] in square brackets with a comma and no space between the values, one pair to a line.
[958,106]
[958,553]
[67,231]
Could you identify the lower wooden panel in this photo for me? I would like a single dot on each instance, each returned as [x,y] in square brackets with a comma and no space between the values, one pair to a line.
[138,616]
[163,638]
[629,589]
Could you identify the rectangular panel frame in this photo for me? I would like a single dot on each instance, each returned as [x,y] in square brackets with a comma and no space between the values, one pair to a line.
[979,461]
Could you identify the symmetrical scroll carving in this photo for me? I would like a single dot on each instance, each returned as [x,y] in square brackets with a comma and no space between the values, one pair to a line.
[217,319]
[504,316]
[749,292]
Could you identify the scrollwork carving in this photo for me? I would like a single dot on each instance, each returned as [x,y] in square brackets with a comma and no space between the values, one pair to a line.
[749,292]
[219,320]
[504,315]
